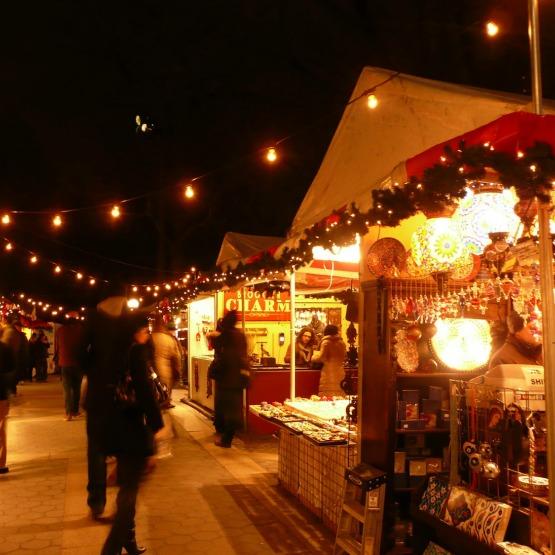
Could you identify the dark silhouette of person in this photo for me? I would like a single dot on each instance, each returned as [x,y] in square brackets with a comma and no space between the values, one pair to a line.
[15,339]
[128,434]
[230,373]
[68,349]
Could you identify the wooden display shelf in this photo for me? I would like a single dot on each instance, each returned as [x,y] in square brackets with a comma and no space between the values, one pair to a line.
[417,375]
[423,431]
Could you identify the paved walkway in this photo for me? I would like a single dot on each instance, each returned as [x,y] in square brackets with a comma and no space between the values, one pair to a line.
[203,499]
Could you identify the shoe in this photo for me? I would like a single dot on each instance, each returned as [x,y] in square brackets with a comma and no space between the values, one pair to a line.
[133,549]
[69,417]
[221,443]
[77,414]
[4,469]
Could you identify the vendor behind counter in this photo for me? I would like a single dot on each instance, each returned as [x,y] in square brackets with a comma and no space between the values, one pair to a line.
[304,348]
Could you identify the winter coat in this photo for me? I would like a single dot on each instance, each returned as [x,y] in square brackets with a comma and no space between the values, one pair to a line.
[167,357]
[332,354]
[131,431]
[515,352]
[303,355]
[230,358]
[16,341]
[7,373]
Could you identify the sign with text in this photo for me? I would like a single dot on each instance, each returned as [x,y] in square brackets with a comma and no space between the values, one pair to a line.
[259,305]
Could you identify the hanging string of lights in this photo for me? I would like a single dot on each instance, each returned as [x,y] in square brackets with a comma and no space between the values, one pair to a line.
[115,210]
[31,304]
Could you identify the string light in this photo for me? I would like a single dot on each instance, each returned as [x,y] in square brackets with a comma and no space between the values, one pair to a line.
[33,259]
[8,247]
[271,155]
[57,220]
[6,219]
[189,191]
[92,281]
[372,101]
[492,29]
[57,269]
[116,212]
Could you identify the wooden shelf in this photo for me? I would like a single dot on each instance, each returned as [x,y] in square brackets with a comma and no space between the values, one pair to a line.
[421,375]
[423,431]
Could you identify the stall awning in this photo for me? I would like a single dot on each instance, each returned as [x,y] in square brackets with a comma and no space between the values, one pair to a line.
[237,247]
[413,115]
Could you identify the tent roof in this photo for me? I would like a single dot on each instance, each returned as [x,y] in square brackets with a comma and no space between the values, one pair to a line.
[237,246]
[413,115]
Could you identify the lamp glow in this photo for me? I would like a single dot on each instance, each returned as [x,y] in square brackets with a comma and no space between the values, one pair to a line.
[116,212]
[57,220]
[79,275]
[8,247]
[92,281]
[372,101]
[492,29]
[33,259]
[462,344]
[271,155]
[189,191]
[6,219]
[133,304]
[57,270]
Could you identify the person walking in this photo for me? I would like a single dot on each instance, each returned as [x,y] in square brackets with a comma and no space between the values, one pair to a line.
[129,436]
[32,356]
[167,357]
[7,381]
[15,340]
[332,354]
[68,351]
[41,356]
[231,374]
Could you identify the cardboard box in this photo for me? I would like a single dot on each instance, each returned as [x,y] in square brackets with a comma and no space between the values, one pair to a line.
[400,463]
[410,395]
[435,393]
[412,411]
[417,472]
[419,424]
[434,465]
[430,418]
[431,405]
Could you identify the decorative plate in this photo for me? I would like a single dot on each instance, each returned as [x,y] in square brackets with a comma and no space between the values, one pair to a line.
[387,257]
[467,269]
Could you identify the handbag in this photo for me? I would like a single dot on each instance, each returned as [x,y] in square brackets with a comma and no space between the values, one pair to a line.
[161,393]
[126,397]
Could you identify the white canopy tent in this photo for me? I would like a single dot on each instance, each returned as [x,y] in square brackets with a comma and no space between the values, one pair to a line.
[369,146]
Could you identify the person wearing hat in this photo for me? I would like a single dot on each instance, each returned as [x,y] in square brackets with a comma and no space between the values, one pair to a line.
[68,351]
[17,343]
[522,345]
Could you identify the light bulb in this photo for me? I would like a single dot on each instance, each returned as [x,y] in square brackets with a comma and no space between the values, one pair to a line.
[57,220]
[372,101]
[492,29]
[33,259]
[79,275]
[9,247]
[57,269]
[92,281]
[189,191]
[271,155]
[54,313]
[116,212]
[6,219]
[135,289]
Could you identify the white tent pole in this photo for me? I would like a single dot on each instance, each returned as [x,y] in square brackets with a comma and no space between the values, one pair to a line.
[546,269]
[292,333]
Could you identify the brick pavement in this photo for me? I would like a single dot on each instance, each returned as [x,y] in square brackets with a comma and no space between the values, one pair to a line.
[203,499]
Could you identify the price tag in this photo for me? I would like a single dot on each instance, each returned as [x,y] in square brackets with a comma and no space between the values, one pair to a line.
[533,376]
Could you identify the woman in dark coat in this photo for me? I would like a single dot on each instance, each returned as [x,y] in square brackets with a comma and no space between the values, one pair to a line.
[129,435]
[230,371]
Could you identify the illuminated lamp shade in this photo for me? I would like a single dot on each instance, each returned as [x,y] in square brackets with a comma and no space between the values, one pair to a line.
[349,253]
[482,213]
[462,344]
[436,246]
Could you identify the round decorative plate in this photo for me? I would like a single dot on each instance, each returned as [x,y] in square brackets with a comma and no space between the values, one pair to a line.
[467,269]
[386,257]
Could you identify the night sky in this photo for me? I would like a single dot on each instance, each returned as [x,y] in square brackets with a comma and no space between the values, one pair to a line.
[218,80]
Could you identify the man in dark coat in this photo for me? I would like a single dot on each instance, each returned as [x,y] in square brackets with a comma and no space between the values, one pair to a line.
[17,343]
[231,373]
